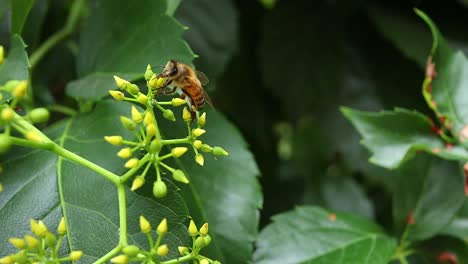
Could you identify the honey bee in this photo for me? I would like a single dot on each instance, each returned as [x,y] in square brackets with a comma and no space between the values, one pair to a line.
[190,81]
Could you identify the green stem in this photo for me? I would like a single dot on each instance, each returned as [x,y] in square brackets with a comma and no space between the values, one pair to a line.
[176,141]
[130,172]
[179,260]
[60,35]
[31,144]
[63,109]
[109,255]
[123,214]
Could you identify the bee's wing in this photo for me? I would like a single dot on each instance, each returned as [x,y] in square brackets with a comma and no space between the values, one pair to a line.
[194,83]
[202,77]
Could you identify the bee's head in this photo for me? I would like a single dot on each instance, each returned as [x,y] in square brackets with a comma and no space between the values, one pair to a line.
[170,70]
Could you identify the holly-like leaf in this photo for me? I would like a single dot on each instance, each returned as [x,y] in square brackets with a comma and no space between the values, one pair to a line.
[314,235]
[16,64]
[458,227]
[19,12]
[428,193]
[394,136]
[122,37]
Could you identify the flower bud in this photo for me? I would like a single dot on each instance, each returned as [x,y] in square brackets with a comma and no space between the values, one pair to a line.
[33,136]
[114,140]
[133,89]
[127,123]
[31,241]
[76,255]
[20,90]
[199,243]
[198,132]
[218,151]
[117,95]
[206,148]
[17,242]
[192,229]
[162,227]
[207,239]
[125,153]
[7,260]
[169,115]
[137,183]
[197,144]
[132,163]
[204,261]
[178,101]
[159,189]
[5,143]
[179,151]
[148,72]
[121,83]
[142,99]
[148,119]
[160,82]
[202,120]
[186,115]
[1,187]
[155,146]
[2,54]
[62,227]
[179,176]
[7,114]
[121,259]
[199,159]
[151,130]
[153,82]
[162,250]
[39,228]
[183,250]
[145,226]
[204,229]
[39,115]
[131,250]
[136,115]
[50,240]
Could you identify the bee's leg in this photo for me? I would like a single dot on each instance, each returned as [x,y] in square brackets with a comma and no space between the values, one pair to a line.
[194,113]
[182,96]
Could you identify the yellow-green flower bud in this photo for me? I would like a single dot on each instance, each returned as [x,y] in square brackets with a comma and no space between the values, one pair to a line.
[169,115]
[179,176]
[10,85]
[160,82]
[20,90]
[17,242]
[202,120]
[131,250]
[132,163]
[178,101]
[127,123]
[142,99]
[199,159]
[122,259]
[7,260]
[198,132]
[7,114]
[204,229]
[121,83]
[31,241]
[192,229]
[114,140]
[50,239]
[204,261]
[145,225]
[39,115]
[21,258]
[179,151]
[117,95]
[216,262]
[183,250]
[162,227]
[5,143]
[153,82]
[197,144]
[62,227]
[148,119]
[218,151]
[151,130]
[149,72]
[76,255]
[2,54]
[199,243]
[136,115]
[162,250]
[207,239]
[155,146]
[137,183]
[186,115]
[159,189]
[39,229]
[125,153]
[1,187]
[133,89]
[206,148]
[33,224]
[33,136]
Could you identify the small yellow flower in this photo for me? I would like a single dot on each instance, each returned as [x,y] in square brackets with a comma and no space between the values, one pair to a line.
[218,151]
[178,101]
[162,250]
[148,72]
[179,151]
[132,163]
[18,242]
[169,115]
[162,227]
[202,120]
[117,95]
[142,99]
[183,250]
[204,229]
[148,119]
[153,82]
[151,130]
[7,114]
[197,144]
[121,83]
[137,183]
[159,189]
[199,243]
[76,255]
[125,153]
[204,261]
[192,229]
[114,140]
[20,90]
[179,176]
[155,146]
[121,259]
[145,225]
[31,241]
[198,132]
[136,115]
[199,159]
[186,115]
[160,83]
[2,54]
[127,123]
[206,148]
[7,260]
[131,250]
[62,227]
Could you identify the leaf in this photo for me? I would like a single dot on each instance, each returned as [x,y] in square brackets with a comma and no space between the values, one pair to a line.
[212,32]
[450,85]
[19,12]
[458,227]
[314,235]
[430,191]
[121,37]
[172,6]
[16,64]
[394,136]
[225,192]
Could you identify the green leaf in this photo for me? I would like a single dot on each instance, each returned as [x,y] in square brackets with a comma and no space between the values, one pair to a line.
[16,64]
[394,136]
[212,32]
[3,7]
[19,12]
[225,192]
[430,191]
[172,6]
[450,85]
[314,235]
[458,227]
[126,42]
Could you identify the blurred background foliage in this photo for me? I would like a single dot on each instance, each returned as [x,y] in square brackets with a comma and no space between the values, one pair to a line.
[280,70]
